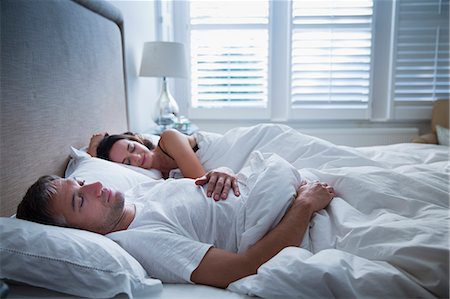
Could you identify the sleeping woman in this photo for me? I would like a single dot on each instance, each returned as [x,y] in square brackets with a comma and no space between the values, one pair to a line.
[174,150]
[189,154]
[203,151]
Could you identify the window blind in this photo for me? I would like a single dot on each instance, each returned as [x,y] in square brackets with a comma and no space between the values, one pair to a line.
[422,51]
[331,51]
[229,43]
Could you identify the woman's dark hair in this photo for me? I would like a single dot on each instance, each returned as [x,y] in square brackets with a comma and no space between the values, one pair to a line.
[35,204]
[104,147]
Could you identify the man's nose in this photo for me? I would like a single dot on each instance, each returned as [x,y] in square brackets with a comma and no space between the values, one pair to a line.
[93,188]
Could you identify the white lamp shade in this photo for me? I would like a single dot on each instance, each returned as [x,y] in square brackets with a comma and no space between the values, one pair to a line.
[163,59]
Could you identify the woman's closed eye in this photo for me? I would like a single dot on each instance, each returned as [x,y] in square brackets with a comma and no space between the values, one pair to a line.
[131,147]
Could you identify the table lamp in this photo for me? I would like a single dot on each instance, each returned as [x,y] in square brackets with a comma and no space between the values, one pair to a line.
[164,59]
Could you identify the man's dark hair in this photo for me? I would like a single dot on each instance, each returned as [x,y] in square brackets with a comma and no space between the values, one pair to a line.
[35,204]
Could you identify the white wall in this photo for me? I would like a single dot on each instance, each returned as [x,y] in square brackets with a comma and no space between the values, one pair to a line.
[139,25]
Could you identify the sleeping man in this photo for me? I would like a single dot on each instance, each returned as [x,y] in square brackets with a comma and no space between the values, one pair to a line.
[176,232]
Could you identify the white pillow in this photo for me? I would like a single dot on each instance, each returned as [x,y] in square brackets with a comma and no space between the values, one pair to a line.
[443,135]
[110,174]
[151,173]
[82,154]
[71,261]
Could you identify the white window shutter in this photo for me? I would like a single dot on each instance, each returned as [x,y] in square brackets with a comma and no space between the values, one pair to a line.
[229,53]
[331,52]
[422,51]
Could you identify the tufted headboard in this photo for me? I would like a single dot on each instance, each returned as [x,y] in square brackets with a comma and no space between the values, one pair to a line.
[62,79]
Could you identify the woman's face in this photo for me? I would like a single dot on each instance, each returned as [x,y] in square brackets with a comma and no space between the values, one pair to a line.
[131,153]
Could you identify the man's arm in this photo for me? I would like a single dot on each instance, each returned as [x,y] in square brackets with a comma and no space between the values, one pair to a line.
[219,268]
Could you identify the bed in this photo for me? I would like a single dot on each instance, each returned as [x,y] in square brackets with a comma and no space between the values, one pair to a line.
[63,78]
[386,234]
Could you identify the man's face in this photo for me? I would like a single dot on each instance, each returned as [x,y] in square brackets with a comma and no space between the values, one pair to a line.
[87,206]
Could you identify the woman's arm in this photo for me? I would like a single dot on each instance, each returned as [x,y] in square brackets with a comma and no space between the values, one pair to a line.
[219,181]
[94,142]
[177,145]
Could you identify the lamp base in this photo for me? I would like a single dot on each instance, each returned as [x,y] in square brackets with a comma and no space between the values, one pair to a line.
[167,106]
[183,125]
[167,120]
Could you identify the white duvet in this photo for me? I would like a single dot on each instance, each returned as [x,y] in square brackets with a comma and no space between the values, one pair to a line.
[386,234]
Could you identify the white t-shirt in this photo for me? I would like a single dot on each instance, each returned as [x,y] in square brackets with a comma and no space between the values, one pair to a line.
[176,223]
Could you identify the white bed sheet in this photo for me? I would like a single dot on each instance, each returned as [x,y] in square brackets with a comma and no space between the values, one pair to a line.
[385,234]
[170,291]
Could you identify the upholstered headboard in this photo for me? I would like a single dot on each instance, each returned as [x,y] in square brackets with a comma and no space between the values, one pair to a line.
[62,79]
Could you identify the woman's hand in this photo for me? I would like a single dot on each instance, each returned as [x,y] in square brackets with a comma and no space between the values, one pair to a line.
[93,144]
[219,181]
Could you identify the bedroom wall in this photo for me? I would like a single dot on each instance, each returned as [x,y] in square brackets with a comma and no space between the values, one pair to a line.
[139,20]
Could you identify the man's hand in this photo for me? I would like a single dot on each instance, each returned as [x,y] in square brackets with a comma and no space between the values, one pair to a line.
[219,181]
[316,195]
[94,142]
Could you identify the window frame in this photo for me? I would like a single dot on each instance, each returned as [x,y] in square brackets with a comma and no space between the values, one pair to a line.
[181,34]
[381,106]
[403,110]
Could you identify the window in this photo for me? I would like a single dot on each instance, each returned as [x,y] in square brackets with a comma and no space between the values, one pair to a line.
[331,55]
[229,53]
[314,59]
[422,51]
